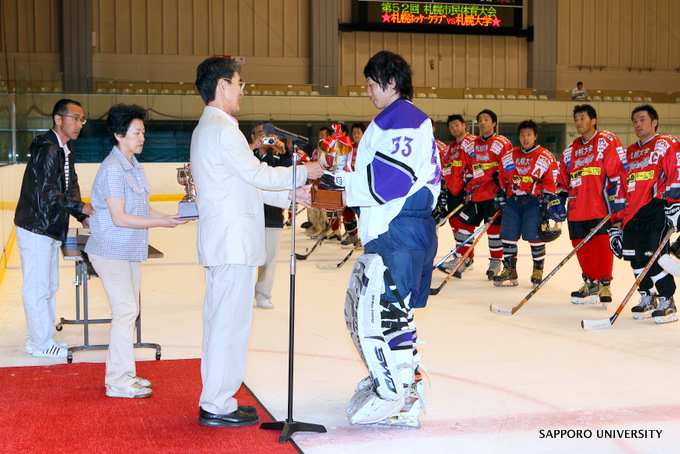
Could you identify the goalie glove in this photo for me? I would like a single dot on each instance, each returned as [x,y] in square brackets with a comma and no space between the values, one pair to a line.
[336,180]
[616,241]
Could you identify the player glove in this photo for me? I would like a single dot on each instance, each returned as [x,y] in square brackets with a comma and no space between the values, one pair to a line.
[556,209]
[672,214]
[499,200]
[616,241]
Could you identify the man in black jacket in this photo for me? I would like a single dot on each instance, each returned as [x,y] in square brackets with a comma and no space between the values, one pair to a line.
[275,155]
[49,194]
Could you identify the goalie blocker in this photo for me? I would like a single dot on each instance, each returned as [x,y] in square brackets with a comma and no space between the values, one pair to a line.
[389,395]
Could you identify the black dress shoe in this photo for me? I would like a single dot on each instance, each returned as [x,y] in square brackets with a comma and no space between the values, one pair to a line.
[306,225]
[248,409]
[236,418]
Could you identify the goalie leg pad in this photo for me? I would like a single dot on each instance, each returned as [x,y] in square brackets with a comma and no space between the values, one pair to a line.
[363,317]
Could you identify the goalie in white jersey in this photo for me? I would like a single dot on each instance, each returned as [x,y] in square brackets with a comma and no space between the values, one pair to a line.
[395,185]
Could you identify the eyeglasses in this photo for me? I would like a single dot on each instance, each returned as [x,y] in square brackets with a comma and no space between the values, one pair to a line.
[241,84]
[83,120]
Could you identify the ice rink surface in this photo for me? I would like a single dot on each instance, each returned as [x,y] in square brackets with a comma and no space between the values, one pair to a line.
[533,382]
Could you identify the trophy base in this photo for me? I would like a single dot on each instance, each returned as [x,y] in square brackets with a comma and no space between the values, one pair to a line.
[329,199]
[187,210]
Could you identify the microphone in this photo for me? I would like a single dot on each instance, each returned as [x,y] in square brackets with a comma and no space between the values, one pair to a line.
[269,128]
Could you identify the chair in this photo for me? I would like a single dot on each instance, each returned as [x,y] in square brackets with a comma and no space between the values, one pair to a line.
[637,99]
[511,97]
[432,95]
[467,96]
[607,98]
[532,97]
[617,99]
[627,99]
[647,99]
[353,93]
[291,93]
[543,97]
[303,93]
[521,96]
[502,96]
[279,93]
[177,92]
[314,93]
[479,96]
[255,92]
[267,93]
[421,95]
[489,96]
[101,91]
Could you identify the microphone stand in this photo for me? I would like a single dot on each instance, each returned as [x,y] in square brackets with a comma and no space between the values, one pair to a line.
[290,426]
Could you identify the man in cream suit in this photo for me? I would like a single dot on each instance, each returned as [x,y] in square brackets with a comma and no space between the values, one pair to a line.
[232,186]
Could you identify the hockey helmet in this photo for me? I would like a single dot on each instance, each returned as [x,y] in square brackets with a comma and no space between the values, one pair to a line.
[549,230]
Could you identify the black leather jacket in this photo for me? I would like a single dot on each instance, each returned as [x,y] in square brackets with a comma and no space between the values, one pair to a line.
[44,204]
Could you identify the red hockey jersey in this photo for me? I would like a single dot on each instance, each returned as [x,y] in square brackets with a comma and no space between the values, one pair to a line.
[587,171]
[452,163]
[481,162]
[532,172]
[652,174]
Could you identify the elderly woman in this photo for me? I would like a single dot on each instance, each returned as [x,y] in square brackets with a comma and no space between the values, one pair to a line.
[118,242]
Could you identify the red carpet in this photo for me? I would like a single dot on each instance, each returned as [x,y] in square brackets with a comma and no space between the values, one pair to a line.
[64,408]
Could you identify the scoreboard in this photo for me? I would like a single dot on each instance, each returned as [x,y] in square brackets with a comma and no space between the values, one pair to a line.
[492,17]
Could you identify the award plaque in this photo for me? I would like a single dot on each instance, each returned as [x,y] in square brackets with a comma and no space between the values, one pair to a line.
[186,208]
[335,154]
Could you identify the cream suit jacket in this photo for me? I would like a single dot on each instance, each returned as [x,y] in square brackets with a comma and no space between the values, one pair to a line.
[232,186]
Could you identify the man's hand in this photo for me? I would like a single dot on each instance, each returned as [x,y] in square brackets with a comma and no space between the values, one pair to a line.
[302,196]
[314,170]
[86,223]
[87,209]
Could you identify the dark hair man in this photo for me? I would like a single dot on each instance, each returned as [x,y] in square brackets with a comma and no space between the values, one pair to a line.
[49,195]
[589,172]
[396,191]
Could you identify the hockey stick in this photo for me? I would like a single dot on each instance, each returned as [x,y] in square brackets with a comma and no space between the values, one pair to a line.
[335,266]
[453,251]
[510,311]
[435,291]
[606,323]
[445,218]
[319,241]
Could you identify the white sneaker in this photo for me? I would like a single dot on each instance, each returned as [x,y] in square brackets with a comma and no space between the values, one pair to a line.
[134,391]
[29,347]
[265,303]
[143,382]
[53,351]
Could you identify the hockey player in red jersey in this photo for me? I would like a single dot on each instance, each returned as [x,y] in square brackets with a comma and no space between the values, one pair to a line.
[482,162]
[590,170]
[452,176]
[652,184]
[527,180]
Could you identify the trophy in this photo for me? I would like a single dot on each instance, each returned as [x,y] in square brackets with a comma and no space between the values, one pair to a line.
[335,153]
[186,208]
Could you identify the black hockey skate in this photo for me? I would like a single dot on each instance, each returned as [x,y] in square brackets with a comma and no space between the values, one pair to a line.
[587,293]
[645,306]
[665,312]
